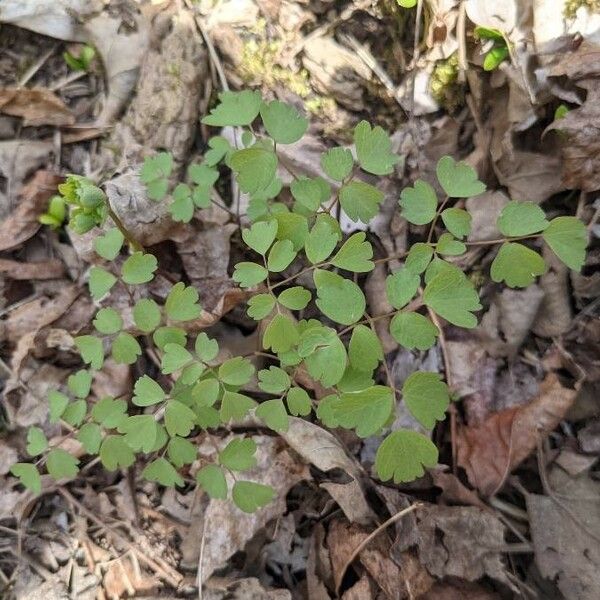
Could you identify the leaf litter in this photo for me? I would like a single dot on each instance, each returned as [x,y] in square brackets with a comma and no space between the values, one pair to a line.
[513,377]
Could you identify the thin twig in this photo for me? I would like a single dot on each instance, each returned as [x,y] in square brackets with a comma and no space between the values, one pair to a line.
[160,567]
[374,534]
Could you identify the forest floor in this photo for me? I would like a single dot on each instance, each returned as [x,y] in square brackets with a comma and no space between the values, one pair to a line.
[513,508]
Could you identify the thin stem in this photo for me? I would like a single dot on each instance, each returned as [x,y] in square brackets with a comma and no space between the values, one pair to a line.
[292,277]
[435,219]
[121,227]
[502,240]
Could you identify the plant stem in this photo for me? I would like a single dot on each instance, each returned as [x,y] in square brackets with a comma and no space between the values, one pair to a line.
[121,227]
[292,277]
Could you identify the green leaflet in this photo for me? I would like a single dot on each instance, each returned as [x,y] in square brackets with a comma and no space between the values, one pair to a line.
[109,245]
[403,455]
[322,239]
[280,335]
[355,255]
[91,350]
[255,168]
[273,413]
[139,268]
[413,330]
[298,401]
[61,465]
[458,179]
[238,455]
[294,298]
[449,246]
[401,287]
[452,296]
[100,282]
[163,472]
[28,475]
[360,200]
[182,303]
[234,108]
[249,496]
[337,163]
[236,371]
[517,265]
[366,411]
[457,221]
[146,315]
[521,218]
[419,203]
[364,350]
[374,149]
[283,122]
[212,480]
[248,274]
[427,397]
[260,306]
[281,256]
[260,236]
[567,238]
[339,299]
[108,321]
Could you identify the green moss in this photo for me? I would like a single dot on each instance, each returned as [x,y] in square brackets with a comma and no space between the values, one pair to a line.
[571,7]
[259,66]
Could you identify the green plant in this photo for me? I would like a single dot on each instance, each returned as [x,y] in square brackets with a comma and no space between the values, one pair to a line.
[298,260]
[496,47]
[81,62]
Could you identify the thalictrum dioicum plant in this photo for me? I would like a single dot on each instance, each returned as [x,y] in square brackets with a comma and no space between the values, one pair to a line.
[290,238]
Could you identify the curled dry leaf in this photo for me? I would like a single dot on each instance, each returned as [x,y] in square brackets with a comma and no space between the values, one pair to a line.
[23,222]
[36,106]
[490,451]
[320,448]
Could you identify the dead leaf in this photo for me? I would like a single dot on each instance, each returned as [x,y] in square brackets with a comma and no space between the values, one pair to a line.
[335,71]
[459,590]
[23,222]
[46,269]
[485,210]
[38,313]
[453,490]
[461,541]
[318,566]
[361,590]
[565,551]
[490,451]
[320,448]
[36,106]
[580,127]
[242,589]
[226,528]
[344,538]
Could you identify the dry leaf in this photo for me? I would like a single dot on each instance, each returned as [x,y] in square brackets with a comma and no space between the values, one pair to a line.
[46,269]
[344,538]
[566,551]
[36,106]
[38,313]
[490,451]
[459,541]
[226,528]
[23,222]
[580,127]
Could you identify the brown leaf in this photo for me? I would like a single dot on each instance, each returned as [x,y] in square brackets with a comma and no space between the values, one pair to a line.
[565,533]
[36,106]
[226,528]
[459,541]
[580,128]
[23,222]
[344,538]
[490,451]
[459,590]
[45,269]
[38,313]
